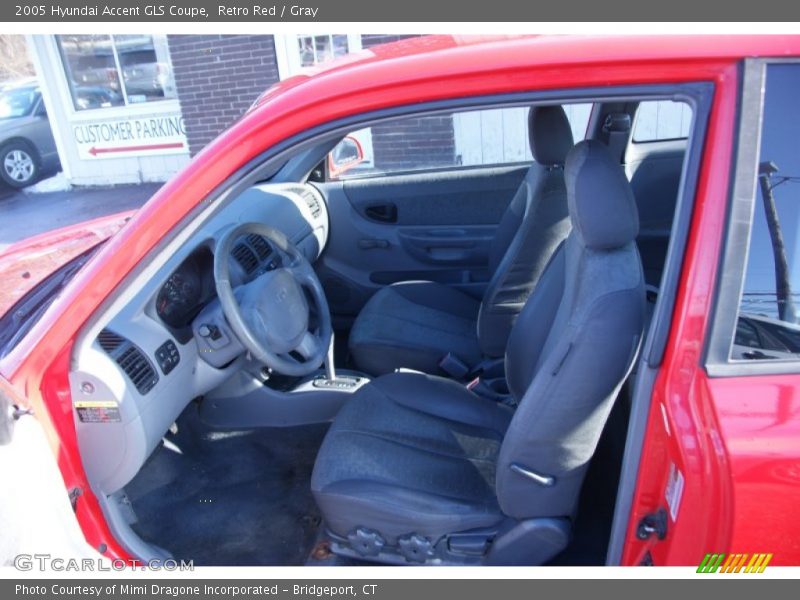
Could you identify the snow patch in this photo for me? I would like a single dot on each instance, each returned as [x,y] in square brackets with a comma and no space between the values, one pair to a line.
[56,183]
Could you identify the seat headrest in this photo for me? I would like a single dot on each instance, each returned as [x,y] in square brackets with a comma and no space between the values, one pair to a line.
[549,135]
[601,202]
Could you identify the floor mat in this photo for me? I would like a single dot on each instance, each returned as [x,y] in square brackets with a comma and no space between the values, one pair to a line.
[222,497]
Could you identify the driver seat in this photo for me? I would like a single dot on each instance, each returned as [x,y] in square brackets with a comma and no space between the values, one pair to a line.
[418,469]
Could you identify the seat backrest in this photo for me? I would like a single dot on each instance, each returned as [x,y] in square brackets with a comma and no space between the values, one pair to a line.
[574,342]
[654,171]
[535,223]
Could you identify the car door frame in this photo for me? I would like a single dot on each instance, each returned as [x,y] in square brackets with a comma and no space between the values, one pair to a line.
[54,375]
[706,152]
[683,420]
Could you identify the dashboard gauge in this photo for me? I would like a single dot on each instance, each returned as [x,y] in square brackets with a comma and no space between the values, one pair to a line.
[181,295]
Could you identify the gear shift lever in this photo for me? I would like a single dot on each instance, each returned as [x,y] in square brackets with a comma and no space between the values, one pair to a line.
[343,382]
[330,370]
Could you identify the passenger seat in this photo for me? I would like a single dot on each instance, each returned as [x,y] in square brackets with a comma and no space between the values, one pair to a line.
[416,324]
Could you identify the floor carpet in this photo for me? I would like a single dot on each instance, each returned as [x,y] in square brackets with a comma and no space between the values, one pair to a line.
[228,498]
[242,497]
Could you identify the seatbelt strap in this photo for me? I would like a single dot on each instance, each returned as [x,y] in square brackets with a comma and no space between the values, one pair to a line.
[458,369]
[617,128]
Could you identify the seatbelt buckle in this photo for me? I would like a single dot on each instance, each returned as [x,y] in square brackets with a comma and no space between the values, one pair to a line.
[453,366]
[473,384]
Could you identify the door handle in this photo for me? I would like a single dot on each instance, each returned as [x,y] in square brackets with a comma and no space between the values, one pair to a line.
[385,213]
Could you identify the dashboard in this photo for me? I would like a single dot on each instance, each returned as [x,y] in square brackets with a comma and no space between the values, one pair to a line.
[134,374]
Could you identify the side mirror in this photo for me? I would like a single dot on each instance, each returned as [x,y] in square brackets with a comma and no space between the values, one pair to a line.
[347,154]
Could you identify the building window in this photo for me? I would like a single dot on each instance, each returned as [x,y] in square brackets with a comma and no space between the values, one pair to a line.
[315,49]
[768,326]
[294,53]
[116,70]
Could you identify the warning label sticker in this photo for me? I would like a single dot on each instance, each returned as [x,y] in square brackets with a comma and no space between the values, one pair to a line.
[674,491]
[98,411]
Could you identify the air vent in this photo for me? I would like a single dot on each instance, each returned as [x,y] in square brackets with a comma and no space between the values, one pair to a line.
[138,368]
[246,257]
[312,202]
[131,359]
[260,245]
[109,341]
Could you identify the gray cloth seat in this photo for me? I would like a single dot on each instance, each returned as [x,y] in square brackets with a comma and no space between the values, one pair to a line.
[415,324]
[415,464]
[373,458]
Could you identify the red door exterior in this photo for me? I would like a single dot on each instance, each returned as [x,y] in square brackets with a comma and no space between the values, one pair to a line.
[731,432]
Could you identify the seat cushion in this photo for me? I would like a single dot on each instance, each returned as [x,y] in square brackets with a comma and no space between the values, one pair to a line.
[414,325]
[411,453]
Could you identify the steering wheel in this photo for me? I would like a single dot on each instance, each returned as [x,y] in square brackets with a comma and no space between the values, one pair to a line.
[270,314]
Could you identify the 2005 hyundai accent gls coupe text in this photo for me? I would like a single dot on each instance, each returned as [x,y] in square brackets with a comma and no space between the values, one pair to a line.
[448,301]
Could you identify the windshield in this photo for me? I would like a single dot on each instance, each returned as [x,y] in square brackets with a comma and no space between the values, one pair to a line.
[16,323]
[17,102]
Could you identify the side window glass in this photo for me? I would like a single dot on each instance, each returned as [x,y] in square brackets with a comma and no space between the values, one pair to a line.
[661,120]
[491,137]
[767,325]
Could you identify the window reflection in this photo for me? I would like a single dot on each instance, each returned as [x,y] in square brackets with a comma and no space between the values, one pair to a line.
[768,326]
[105,71]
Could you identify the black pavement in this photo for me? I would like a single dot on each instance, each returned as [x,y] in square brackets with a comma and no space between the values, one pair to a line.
[23,214]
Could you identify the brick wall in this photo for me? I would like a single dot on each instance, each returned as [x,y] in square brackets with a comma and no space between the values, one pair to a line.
[414,143]
[411,143]
[373,39]
[218,77]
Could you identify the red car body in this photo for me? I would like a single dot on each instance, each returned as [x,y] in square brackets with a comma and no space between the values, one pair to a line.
[735,439]
[26,263]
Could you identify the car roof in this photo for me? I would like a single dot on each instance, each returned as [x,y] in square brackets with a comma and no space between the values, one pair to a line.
[20,84]
[444,55]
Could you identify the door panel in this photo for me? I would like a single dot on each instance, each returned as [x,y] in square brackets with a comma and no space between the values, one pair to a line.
[474,196]
[435,226]
[465,246]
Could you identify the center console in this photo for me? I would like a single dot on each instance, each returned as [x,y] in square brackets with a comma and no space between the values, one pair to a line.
[256,397]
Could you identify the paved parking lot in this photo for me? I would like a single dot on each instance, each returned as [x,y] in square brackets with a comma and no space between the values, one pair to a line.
[23,214]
